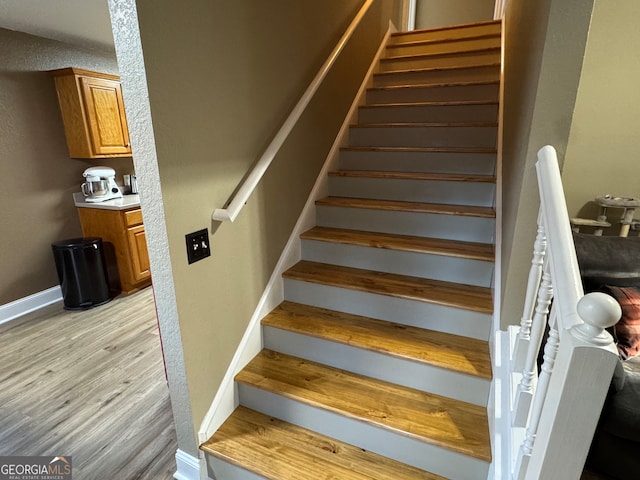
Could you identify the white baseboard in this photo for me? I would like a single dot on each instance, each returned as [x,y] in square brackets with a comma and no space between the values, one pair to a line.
[22,306]
[188,467]
[226,399]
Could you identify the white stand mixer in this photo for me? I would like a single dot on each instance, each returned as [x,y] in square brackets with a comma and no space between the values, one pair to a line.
[100,184]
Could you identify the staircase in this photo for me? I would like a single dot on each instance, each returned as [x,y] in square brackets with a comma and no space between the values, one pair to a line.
[376,365]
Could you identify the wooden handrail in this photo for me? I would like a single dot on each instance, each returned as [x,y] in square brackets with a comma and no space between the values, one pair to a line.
[242,194]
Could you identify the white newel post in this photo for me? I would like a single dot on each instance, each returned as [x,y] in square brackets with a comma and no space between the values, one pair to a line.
[576,392]
[535,274]
[524,392]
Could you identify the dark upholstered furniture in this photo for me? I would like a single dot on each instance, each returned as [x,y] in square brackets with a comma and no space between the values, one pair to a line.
[612,265]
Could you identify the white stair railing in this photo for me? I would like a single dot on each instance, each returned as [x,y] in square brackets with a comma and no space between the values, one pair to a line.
[559,409]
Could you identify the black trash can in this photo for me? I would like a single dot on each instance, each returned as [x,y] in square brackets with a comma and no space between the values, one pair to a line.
[82,272]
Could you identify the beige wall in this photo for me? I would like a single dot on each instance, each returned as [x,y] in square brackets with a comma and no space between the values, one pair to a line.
[222,77]
[438,13]
[543,62]
[38,177]
[602,154]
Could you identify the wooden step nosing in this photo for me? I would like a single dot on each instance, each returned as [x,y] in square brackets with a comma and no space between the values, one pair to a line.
[423,56]
[433,246]
[267,446]
[446,40]
[394,285]
[442,68]
[444,85]
[410,125]
[334,403]
[457,150]
[445,103]
[456,321]
[438,267]
[434,379]
[375,437]
[410,207]
[427,177]
[460,26]
[358,345]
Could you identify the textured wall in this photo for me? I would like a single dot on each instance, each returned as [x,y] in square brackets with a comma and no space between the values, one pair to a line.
[127,41]
[38,177]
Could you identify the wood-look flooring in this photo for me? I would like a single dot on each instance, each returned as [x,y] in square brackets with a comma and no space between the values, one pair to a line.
[90,385]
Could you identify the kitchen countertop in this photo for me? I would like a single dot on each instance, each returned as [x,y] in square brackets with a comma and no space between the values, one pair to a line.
[124,203]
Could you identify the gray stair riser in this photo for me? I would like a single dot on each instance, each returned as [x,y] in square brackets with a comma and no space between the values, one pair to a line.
[220,469]
[431,113]
[427,265]
[428,378]
[448,60]
[440,93]
[451,227]
[474,137]
[434,162]
[395,50]
[415,313]
[428,191]
[462,32]
[426,77]
[369,437]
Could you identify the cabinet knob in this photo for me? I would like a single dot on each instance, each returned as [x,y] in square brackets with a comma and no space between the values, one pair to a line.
[127,145]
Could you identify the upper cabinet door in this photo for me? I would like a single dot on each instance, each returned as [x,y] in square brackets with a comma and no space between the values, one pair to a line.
[93,114]
[106,118]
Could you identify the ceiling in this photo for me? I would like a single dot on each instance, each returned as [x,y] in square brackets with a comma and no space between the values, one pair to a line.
[80,22]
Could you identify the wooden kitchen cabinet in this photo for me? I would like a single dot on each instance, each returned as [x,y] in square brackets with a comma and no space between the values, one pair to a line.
[93,113]
[124,243]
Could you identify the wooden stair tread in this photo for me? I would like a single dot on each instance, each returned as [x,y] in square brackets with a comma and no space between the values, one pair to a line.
[459,26]
[422,149]
[456,295]
[441,54]
[452,103]
[452,39]
[452,352]
[426,125]
[407,243]
[438,85]
[415,207]
[441,421]
[409,71]
[443,177]
[279,450]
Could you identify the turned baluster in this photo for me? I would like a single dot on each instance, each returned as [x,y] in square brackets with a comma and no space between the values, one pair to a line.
[535,274]
[524,392]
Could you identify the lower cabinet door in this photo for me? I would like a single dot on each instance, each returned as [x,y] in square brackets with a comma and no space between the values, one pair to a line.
[139,253]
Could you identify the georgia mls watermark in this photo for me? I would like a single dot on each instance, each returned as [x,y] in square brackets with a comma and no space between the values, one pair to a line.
[35,468]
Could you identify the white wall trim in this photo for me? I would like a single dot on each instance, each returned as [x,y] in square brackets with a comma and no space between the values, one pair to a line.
[22,306]
[188,467]
[226,399]
[411,17]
